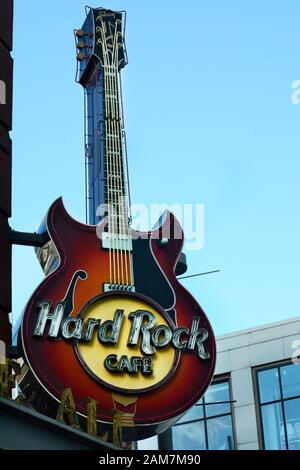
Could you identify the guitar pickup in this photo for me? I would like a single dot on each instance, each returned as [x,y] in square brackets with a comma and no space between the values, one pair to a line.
[116,241]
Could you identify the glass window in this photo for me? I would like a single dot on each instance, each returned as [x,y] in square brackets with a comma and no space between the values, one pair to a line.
[220,433]
[290,378]
[189,436]
[196,412]
[269,388]
[208,425]
[218,392]
[292,416]
[279,393]
[273,427]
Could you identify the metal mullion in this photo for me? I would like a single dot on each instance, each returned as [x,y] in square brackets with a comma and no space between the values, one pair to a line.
[262,426]
[205,424]
[187,422]
[270,402]
[291,398]
[217,403]
[280,399]
[261,437]
[202,419]
[218,416]
[283,410]
[234,440]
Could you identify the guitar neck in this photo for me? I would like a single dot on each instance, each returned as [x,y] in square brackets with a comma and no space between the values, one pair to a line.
[106,165]
[115,187]
[100,60]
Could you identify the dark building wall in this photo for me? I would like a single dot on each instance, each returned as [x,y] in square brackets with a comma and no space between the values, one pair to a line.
[24,429]
[6,77]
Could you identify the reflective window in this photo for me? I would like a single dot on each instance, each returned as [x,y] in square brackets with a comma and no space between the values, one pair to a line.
[292,416]
[279,396]
[189,436]
[220,433]
[269,388]
[290,378]
[218,393]
[208,425]
[273,427]
[196,412]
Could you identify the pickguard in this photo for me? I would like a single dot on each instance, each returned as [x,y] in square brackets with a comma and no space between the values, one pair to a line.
[149,278]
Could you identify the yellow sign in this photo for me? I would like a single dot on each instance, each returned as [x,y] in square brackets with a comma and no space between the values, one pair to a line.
[126,361]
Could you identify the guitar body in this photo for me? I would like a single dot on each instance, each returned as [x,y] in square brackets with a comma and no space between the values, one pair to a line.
[84,265]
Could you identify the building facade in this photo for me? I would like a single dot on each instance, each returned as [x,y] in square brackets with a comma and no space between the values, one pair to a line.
[6,85]
[254,400]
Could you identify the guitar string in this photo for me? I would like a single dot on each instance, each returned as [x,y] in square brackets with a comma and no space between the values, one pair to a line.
[116,161]
[115,164]
[115,176]
[118,152]
[112,236]
[121,186]
[96,126]
[129,258]
[108,165]
[117,183]
[124,201]
[108,185]
[114,195]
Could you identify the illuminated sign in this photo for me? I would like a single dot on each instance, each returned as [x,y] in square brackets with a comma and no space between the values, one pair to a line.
[111,322]
[119,334]
[120,348]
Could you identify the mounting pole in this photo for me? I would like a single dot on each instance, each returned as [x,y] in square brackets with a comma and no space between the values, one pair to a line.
[28,239]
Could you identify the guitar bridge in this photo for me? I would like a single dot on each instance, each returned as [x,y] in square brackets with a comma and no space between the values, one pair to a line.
[107,287]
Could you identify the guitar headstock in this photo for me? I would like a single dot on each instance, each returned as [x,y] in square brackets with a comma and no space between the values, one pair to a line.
[101,39]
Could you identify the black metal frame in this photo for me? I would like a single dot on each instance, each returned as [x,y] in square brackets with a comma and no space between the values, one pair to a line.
[281,401]
[207,418]
[28,239]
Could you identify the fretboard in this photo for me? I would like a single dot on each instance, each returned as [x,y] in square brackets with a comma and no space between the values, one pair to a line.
[115,190]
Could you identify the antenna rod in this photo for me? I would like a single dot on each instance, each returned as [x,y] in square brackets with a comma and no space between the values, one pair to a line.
[200,274]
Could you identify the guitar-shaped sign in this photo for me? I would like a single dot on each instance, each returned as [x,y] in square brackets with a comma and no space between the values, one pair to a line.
[110,320]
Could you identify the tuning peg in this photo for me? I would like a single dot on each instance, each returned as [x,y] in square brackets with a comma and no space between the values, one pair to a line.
[80,56]
[79,33]
[80,45]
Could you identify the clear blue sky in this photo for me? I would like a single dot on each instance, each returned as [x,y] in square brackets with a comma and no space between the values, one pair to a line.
[209,119]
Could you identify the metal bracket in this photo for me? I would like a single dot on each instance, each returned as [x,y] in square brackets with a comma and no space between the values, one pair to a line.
[28,239]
